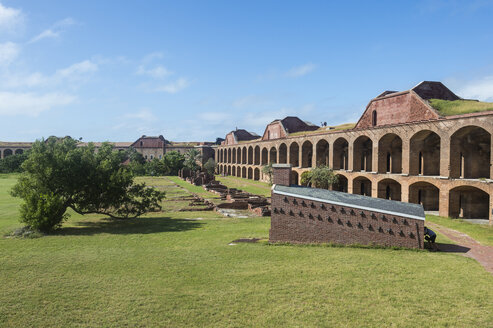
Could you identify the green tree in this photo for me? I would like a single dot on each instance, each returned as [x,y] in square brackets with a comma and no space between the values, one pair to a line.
[319,177]
[13,163]
[155,167]
[192,158]
[59,175]
[267,169]
[210,166]
[173,162]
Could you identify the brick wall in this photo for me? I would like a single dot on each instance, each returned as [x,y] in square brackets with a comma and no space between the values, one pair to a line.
[296,220]
[281,174]
[274,131]
[394,109]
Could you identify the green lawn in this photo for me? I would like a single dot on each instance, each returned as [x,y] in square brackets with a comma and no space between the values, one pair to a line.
[251,186]
[482,233]
[172,271]
[457,107]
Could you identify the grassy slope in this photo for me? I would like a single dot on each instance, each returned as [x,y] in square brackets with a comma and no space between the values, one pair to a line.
[251,186]
[482,233]
[164,270]
[457,107]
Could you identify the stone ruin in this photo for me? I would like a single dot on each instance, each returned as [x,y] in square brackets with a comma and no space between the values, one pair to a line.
[197,178]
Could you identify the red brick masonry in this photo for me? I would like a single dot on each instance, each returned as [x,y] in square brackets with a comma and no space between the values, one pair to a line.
[298,220]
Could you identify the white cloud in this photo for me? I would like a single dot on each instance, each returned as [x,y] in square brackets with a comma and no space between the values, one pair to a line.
[481,89]
[76,70]
[10,18]
[175,86]
[54,31]
[31,104]
[144,114]
[157,72]
[8,53]
[301,70]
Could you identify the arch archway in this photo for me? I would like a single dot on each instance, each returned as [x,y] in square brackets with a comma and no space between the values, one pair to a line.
[283,154]
[250,155]
[306,154]
[256,158]
[250,173]
[390,154]
[233,171]
[294,178]
[229,169]
[244,172]
[389,189]
[426,194]
[229,155]
[273,155]
[238,171]
[233,159]
[468,203]
[424,155]
[322,152]
[244,155]
[256,174]
[470,152]
[7,152]
[265,155]
[341,154]
[341,184]
[294,154]
[362,154]
[362,186]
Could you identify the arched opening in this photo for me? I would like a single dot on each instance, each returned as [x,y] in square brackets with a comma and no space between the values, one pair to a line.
[294,154]
[362,154]
[390,154]
[341,154]
[425,194]
[250,155]
[341,184]
[7,152]
[256,174]
[229,169]
[244,155]
[233,160]
[470,149]
[389,189]
[250,173]
[229,155]
[273,155]
[238,171]
[362,186]
[257,156]
[233,169]
[306,154]
[424,157]
[469,203]
[374,118]
[243,172]
[265,155]
[294,178]
[283,154]
[322,153]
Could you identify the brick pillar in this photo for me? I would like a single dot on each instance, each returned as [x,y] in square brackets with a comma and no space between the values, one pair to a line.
[281,174]
[374,188]
[350,158]
[374,157]
[314,155]
[443,203]
[331,155]
[445,156]
[405,156]
[300,157]
[349,184]
[405,192]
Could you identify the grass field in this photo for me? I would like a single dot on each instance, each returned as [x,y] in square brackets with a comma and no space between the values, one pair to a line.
[457,107]
[176,269]
[482,233]
[251,186]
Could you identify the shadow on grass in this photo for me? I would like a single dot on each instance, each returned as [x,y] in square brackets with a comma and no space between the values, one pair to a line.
[452,248]
[130,226]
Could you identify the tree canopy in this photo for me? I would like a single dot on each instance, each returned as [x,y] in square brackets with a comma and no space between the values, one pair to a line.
[59,174]
[319,177]
[192,157]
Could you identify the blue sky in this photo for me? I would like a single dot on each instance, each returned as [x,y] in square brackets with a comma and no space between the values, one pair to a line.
[193,71]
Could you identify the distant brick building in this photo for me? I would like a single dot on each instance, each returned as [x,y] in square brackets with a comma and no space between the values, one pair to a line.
[400,149]
[309,215]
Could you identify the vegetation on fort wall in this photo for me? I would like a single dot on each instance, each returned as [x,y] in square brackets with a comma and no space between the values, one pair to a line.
[458,107]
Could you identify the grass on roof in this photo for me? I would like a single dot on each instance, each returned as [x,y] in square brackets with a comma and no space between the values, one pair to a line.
[345,126]
[458,107]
